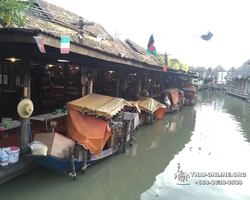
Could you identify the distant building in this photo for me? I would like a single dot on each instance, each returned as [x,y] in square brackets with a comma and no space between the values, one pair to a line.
[220,74]
[216,75]
[200,71]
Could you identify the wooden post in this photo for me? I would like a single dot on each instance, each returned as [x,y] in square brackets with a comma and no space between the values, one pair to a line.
[83,81]
[117,84]
[26,95]
[66,82]
[90,83]
[138,87]
[152,85]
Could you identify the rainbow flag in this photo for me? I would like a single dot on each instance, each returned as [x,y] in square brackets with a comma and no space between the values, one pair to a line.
[39,42]
[65,43]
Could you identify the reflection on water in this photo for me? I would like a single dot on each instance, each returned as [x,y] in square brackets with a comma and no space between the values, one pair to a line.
[219,143]
[213,136]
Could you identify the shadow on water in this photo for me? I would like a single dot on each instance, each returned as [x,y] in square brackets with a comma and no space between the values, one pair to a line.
[123,176]
[212,136]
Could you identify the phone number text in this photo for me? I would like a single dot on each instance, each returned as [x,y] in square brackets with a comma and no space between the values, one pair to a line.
[218,182]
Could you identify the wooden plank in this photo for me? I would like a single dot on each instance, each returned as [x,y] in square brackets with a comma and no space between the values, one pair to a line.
[117,83]
[66,82]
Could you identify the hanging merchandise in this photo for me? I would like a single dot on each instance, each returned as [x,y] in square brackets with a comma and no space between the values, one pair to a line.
[39,42]
[65,44]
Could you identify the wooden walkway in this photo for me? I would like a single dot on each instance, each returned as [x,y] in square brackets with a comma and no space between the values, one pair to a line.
[234,92]
[213,87]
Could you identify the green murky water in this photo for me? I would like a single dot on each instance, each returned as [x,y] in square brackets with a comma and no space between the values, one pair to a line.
[211,137]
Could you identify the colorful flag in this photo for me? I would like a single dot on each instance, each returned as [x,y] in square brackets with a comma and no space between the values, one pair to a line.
[151,48]
[65,43]
[39,42]
[207,36]
[164,68]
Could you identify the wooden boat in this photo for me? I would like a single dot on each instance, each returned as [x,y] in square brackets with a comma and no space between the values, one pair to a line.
[175,96]
[190,95]
[96,123]
[151,109]
[64,166]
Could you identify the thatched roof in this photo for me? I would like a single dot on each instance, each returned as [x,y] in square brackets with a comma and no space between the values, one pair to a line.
[140,53]
[242,72]
[56,22]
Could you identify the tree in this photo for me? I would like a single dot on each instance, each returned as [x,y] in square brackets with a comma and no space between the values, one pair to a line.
[161,59]
[14,11]
[172,63]
[231,70]
[184,67]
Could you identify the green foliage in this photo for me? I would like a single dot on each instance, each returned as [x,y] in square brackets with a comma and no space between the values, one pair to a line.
[14,11]
[184,67]
[231,70]
[172,63]
[176,64]
[89,111]
[161,59]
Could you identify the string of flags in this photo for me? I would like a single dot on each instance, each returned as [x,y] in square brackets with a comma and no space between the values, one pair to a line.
[64,48]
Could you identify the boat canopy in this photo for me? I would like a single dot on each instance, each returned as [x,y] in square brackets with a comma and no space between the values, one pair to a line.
[189,89]
[100,104]
[174,92]
[171,91]
[148,104]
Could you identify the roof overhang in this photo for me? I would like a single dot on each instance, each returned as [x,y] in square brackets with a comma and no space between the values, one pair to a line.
[16,35]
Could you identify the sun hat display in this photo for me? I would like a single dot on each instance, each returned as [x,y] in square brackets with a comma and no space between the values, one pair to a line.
[25,108]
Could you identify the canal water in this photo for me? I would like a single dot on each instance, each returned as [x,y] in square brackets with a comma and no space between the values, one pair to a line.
[209,138]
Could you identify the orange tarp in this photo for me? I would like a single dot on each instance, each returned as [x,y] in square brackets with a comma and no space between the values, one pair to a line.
[88,131]
[160,113]
[174,92]
[175,98]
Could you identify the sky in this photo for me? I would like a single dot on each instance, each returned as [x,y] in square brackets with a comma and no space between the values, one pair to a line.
[176,26]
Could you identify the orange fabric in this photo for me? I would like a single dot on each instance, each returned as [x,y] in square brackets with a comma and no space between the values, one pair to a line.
[88,131]
[175,98]
[160,113]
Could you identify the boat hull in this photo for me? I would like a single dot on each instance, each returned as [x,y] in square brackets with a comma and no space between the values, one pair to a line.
[64,166]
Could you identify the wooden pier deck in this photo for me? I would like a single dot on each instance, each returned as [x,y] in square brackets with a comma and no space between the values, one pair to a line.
[238,93]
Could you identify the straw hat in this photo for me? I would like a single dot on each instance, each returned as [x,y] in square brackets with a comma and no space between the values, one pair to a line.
[25,108]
